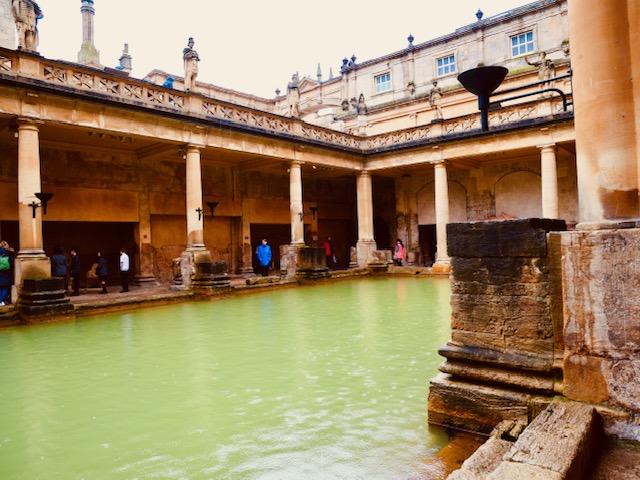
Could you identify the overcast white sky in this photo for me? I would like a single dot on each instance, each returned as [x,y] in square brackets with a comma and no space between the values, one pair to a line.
[253,45]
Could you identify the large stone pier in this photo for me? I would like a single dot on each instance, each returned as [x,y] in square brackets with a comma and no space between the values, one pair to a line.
[505,354]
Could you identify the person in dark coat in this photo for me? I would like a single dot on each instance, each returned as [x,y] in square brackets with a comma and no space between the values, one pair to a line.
[74,268]
[59,263]
[6,272]
[102,272]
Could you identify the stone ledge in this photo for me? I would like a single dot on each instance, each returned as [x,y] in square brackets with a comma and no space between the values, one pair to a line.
[510,238]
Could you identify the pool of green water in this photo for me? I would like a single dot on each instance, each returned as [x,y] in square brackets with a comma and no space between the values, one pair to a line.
[322,382]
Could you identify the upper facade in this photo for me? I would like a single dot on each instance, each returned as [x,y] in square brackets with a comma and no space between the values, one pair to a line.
[391,92]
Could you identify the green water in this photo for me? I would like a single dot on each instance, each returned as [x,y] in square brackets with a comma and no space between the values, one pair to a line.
[323,382]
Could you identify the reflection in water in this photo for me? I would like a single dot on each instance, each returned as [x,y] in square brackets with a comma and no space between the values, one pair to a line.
[326,382]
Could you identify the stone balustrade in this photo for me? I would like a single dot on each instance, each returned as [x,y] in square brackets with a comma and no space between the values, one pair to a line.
[111,85]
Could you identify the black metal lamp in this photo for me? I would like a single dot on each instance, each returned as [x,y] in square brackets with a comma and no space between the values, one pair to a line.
[44,198]
[212,207]
[483,81]
[199,210]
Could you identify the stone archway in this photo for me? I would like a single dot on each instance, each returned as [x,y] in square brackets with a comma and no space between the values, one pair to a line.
[518,195]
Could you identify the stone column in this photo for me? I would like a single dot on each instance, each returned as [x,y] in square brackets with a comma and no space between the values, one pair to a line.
[604,111]
[31,262]
[366,242]
[247,250]
[195,213]
[197,268]
[146,254]
[295,199]
[549,181]
[442,216]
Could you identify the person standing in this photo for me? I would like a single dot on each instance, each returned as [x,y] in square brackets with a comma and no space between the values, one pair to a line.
[74,268]
[328,252]
[59,263]
[264,255]
[399,253]
[6,272]
[102,272]
[124,270]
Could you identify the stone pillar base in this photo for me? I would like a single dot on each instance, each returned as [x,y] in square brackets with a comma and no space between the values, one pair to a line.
[311,263]
[42,299]
[364,248]
[289,259]
[441,267]
[145,281]
[33,266]
[198,271]
[353,257]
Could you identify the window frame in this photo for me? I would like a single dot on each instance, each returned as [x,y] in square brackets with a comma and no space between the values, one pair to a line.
[437,73]
[519,32]
[375,84]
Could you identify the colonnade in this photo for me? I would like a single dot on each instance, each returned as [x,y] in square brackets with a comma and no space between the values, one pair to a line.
[32,261]
[549,181]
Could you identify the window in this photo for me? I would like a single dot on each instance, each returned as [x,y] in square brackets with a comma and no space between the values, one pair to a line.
[522,44]
[383,82]
[446,65]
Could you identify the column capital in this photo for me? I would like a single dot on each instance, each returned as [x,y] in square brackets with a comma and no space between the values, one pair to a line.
[364,173]
[296,163]
[439,163]
[193,147]
[547,146]
[28,123]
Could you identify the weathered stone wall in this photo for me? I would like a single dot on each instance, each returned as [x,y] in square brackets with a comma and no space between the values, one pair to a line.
[505,322]
[601,281]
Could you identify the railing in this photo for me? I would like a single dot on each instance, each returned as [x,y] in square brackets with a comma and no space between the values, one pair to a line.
[129,90]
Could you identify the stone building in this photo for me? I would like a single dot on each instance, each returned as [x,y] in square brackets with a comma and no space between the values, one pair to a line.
[112,150]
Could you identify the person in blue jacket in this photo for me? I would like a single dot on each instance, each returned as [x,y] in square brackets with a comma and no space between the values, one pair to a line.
[263,254]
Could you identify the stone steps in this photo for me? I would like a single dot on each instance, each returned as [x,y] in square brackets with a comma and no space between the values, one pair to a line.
[561,443]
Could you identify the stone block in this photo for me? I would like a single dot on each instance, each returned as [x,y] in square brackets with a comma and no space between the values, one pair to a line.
[499,272]
[483,461]
[500,358]
[472,407]
[601,280]
[516,471]
[512,238]
[562,441]
[584,379]
[43,299]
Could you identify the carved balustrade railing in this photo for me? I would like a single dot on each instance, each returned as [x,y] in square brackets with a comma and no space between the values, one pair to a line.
[125,89]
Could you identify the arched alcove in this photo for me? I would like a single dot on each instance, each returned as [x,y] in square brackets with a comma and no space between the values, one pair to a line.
[519,195]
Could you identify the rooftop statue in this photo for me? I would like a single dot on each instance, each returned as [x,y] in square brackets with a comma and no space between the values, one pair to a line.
[26,14]
[435,96]
[546,67]
[361,106]
[191,60]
